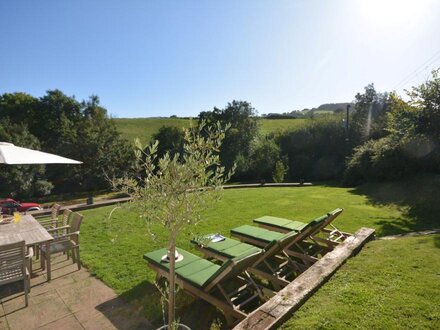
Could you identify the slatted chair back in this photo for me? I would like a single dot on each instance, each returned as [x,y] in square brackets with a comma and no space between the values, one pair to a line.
[66,215]
[231,269]
[12,262]
[325,220]
[55,210]
[76,222]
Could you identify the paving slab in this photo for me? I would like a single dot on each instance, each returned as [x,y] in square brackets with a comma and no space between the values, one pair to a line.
[72,300]
[36,315]
[66,323]
[3,323]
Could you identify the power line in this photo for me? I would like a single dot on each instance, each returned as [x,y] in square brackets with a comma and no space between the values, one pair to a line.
[434,58]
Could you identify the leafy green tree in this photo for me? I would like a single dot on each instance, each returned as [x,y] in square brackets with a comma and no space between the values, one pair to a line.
[21,180]
[315,151]
[261,162]
[244,128]
[413,143]
[171,140]
[280,172]
[178,189]
[368,119]
[78,130]
[18,108]
[57,119]
[427,98]
[101,149]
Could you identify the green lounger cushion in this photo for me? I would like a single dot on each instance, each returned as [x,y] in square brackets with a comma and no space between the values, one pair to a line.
[281,223]
[202,272]
[192,268]
[258,233]
[230,248]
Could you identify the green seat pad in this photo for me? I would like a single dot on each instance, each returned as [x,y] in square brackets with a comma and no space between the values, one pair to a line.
[192,268]
[258,233]
[281,223]
[230,248]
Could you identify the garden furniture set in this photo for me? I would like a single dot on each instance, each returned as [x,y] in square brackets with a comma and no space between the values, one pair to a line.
[20,238]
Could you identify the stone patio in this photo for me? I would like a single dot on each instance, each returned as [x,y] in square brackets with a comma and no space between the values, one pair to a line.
[72,300]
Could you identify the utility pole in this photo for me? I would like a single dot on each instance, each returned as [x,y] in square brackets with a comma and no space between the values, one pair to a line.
[347,124]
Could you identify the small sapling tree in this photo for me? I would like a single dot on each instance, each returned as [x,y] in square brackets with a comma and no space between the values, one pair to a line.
[175,190]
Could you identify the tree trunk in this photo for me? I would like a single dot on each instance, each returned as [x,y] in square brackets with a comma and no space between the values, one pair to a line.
[172,284]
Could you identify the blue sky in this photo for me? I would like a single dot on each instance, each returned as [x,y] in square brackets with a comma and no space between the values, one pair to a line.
[161,58]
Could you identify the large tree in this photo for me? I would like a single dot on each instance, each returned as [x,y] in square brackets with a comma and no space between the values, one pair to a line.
[369,115]
[79,130]
[21,180]
[412,143]
[244,128]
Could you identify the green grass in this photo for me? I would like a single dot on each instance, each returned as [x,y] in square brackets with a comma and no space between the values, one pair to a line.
[390,284]
[112,248]
[276,125]
[144,128]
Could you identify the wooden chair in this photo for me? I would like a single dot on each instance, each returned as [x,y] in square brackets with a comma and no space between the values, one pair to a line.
[55,223]
[68,242]
[54,212]
[14,266]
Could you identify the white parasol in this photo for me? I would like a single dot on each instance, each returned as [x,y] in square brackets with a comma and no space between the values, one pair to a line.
[11,154]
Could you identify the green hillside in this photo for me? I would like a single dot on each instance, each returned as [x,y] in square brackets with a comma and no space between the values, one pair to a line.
[274,125]
[144,128]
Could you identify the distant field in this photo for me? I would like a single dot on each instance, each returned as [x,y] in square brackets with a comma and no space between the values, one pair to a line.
[144,128]
[274,125]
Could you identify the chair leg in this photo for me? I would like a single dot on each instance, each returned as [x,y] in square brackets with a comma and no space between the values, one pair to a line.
[26,290]
[73,255]
[77,258]
[42,261]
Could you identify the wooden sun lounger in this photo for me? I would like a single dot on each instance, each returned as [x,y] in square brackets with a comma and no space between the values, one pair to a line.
[274,264]
[211,282]
[307,249]
[333,235]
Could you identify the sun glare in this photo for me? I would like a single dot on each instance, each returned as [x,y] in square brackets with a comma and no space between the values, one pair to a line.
[391,13]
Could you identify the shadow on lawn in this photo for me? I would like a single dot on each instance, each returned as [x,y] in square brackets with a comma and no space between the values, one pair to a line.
[418,199]
[195,313]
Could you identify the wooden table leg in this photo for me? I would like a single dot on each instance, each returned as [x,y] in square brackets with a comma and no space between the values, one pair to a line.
[48,261]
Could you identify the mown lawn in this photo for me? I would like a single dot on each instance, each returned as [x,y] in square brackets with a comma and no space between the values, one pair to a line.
[392,284]
[144,128]
[112,247]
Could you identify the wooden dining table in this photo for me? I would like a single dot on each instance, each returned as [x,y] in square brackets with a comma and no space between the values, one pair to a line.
[28,229]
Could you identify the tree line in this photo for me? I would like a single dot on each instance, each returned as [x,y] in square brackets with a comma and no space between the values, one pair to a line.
[60,124]
[388,138]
